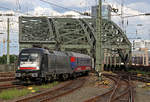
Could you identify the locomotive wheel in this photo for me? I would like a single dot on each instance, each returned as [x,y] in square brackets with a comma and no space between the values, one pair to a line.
[74,76]
[55,77]
[45,80]
[65,76]
[50,78]
[39,82]
[86,73]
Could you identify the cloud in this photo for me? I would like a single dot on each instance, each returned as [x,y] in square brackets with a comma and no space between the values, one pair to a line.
[73,3]
[42,11]
[140,6]
[12,2]
[39,11]
[29,6]
[18,5]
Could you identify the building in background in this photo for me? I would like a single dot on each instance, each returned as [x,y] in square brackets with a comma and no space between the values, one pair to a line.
[138,43]
[141,52]
[141,57]
[106,11]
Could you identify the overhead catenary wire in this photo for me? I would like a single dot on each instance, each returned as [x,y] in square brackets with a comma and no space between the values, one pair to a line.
[126,7]
[116,13]
[48,2]
[16,11]
[18,5]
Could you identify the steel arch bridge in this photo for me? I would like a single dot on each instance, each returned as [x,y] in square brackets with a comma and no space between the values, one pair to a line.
[73,34]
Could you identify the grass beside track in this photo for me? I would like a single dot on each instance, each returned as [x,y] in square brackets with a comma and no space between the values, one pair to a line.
[14,93]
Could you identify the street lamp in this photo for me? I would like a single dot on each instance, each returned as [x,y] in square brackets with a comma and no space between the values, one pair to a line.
[137,30]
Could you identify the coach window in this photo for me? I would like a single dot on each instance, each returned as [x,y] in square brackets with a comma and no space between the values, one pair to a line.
[87,62]
[78,61]
[83,62]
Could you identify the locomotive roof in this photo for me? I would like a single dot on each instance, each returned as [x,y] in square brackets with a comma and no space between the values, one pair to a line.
[78,55]
[35,49]
[56,52]
[59,53]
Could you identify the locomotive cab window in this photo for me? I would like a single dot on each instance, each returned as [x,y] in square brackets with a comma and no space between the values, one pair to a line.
[30,60]
[29,57]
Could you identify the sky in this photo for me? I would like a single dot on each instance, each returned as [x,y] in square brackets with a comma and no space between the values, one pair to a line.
[134,7]
[37,8]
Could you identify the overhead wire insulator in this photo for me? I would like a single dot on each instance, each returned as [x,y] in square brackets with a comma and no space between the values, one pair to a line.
[86,14]
[114,10]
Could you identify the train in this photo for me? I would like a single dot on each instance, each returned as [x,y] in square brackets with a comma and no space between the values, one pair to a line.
[39,64]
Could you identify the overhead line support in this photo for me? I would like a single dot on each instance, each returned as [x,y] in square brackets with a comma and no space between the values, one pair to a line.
[98,62]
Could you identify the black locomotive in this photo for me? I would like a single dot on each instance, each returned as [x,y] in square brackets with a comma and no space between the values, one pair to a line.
[40,64]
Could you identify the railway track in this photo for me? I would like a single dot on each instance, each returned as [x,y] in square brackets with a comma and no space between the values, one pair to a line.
[122,90]
[7,74]
[134,76]
[125,94]
[4,79]
[107,94]
[8,86]
[53,94]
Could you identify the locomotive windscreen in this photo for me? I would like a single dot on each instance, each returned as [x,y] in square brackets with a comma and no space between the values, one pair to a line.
[29,60]
[29,57]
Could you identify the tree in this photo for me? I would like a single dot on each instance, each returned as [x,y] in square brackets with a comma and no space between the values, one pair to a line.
[3,59]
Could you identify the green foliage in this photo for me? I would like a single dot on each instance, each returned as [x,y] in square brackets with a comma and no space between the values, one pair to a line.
[46,86]
[3,59]
[13,58]
[13,93]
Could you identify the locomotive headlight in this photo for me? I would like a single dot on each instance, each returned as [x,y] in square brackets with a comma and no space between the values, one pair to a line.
[17,74]
[37,67]
[34,74]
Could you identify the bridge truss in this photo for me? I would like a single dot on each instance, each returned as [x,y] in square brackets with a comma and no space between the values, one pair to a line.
[78,35]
